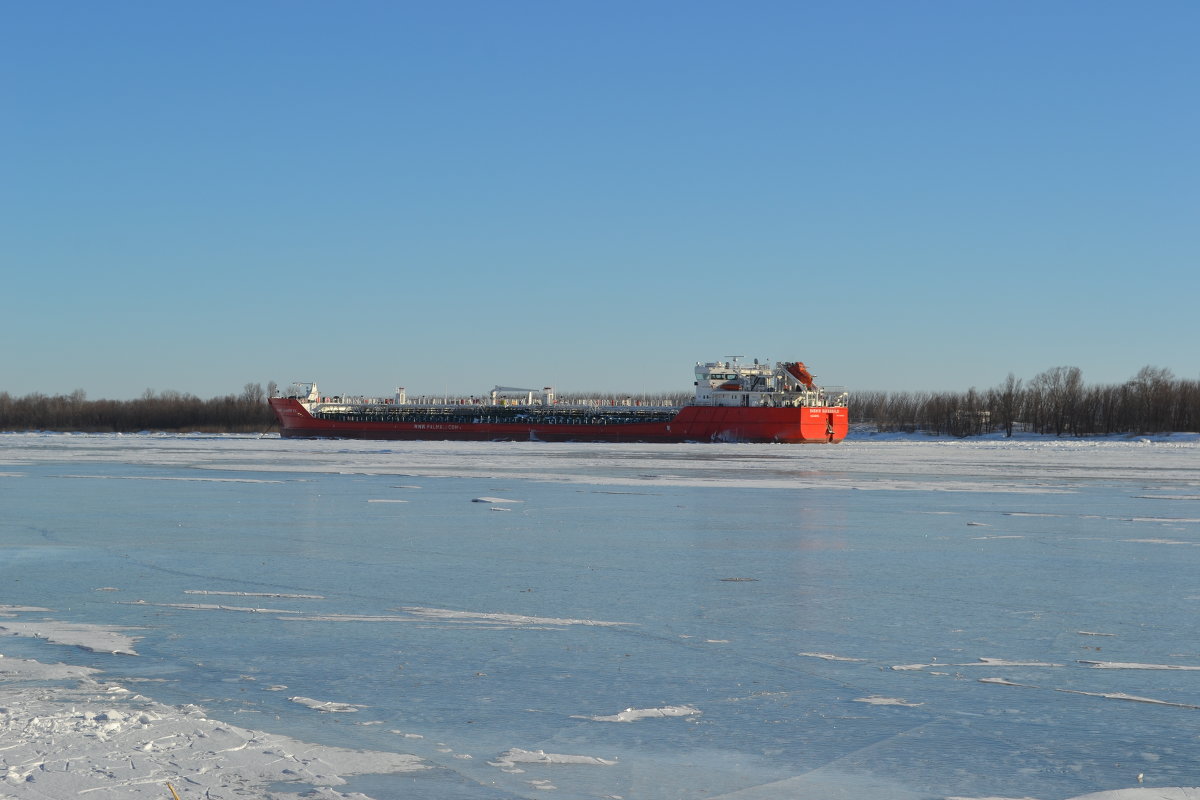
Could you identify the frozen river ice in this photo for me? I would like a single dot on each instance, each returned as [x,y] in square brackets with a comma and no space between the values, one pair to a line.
[887,619]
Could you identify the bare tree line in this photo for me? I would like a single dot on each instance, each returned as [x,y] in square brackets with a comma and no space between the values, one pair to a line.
[162,411]
[1053,402]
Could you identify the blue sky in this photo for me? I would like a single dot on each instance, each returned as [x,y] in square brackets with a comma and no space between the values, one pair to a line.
[595,195]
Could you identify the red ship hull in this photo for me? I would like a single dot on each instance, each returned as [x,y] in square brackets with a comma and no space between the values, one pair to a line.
[811,424]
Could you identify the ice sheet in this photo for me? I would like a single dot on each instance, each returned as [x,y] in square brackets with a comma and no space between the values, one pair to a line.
[653,622]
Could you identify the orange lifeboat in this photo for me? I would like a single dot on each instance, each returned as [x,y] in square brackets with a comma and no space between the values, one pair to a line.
[800,372]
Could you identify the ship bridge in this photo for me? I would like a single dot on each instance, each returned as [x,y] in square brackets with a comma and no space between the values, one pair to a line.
[760,384]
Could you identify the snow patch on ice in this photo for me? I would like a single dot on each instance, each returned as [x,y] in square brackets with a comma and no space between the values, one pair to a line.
[1147,793]
[23,669]
[449,615]
[982,662]
[94,638]
[1156,541]
[516,756]
[1167,496]
[8,611]
[256,594]
[101,740]
[829,657]
[1104,695]
[466,619]
[1131,665]
[1028,514]
[635,714]
[326,705]
[879,700]
[170,478]
[215,607]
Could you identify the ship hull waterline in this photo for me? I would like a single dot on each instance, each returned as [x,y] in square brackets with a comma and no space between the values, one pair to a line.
[800,425]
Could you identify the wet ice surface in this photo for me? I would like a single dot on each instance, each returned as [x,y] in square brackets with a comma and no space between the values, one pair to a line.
[876,618]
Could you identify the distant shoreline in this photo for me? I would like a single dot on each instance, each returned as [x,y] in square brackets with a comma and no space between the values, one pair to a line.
[1056,402]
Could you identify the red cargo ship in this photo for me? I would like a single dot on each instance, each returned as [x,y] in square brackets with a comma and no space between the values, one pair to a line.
[733,402]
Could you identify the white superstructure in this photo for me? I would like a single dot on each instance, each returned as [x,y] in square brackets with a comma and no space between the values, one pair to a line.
[786,384]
